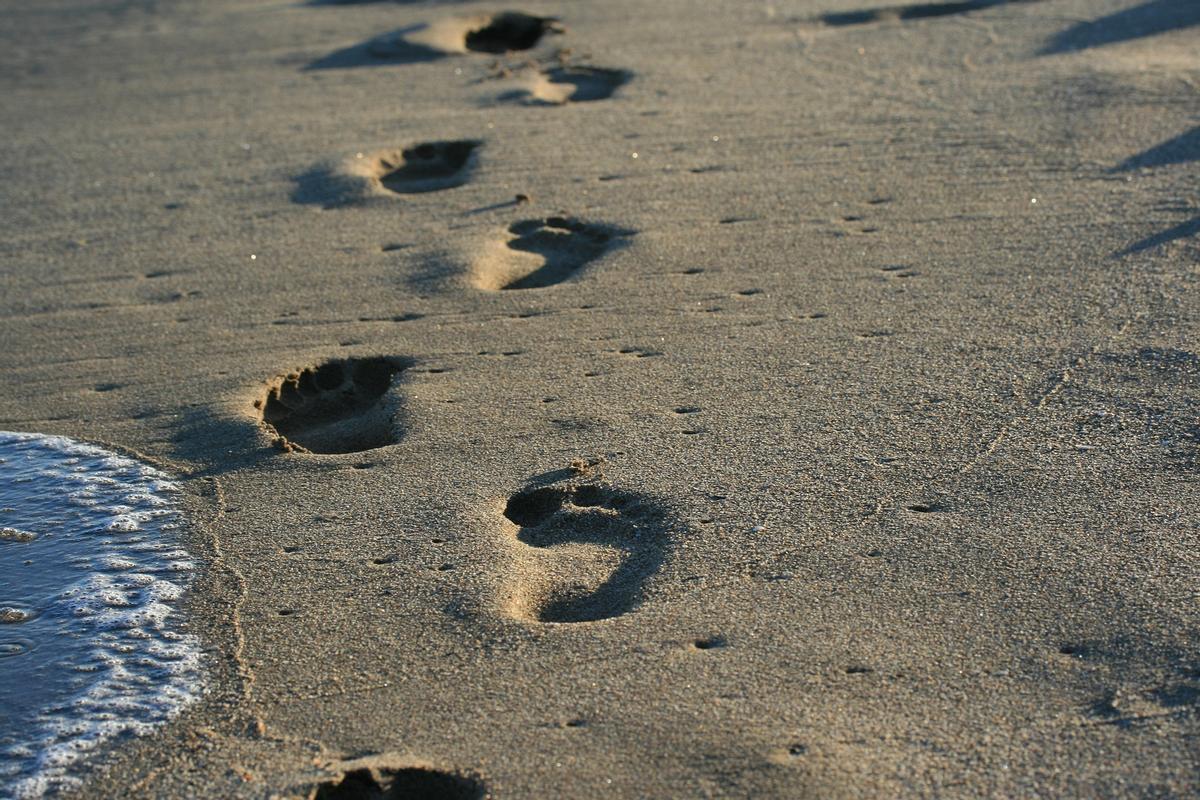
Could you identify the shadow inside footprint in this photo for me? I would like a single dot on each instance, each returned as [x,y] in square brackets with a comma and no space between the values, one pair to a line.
[339,407]
[495,34]
[387,784]
[509,31]
[565,246]
[428,167]
[421,168]
[633,527]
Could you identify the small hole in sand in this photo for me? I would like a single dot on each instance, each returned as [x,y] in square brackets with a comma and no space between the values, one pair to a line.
[710,643]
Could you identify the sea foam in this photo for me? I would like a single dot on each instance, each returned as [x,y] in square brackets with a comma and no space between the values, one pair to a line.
[92,646]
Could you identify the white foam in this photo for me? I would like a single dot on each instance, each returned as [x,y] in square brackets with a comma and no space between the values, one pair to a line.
[105,530]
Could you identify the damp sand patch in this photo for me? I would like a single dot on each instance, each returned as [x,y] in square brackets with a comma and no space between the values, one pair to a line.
[92,645]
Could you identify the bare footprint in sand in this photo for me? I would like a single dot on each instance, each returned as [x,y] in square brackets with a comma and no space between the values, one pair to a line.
[367,779]
[562,85]
[497,34]
[341,406]
[421,168]
[538,253]
[509,31]
[427,167]
[590,550]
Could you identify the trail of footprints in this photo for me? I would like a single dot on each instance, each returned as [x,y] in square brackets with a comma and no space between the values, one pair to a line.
[585,551]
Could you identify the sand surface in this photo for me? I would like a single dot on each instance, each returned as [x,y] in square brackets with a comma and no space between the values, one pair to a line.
[822,421]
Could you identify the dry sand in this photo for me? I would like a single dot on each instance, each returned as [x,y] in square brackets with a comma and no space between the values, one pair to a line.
[821,422]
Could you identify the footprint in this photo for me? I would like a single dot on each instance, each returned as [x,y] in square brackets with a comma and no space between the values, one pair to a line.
[421,168]
[562,85]
[341,406]
[592,550]
[510,31]
[495,34]
[378,783]
[427,167]
[544,252]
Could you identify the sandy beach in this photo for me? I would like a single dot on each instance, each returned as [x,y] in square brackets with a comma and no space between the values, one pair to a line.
[759,398]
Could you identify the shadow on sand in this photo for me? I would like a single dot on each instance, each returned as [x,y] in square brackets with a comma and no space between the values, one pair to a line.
[1180,231]
[1148,19]
[1183,148]
[911,11]
[387,50]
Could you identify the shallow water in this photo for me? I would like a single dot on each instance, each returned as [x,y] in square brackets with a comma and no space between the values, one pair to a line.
[91,642]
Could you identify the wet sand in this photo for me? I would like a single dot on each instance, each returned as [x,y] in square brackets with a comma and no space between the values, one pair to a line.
[711,400]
